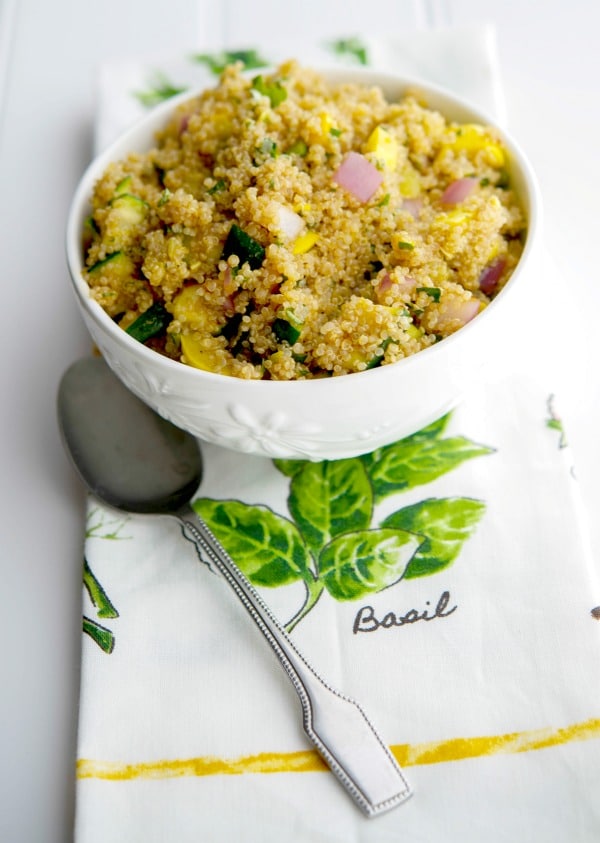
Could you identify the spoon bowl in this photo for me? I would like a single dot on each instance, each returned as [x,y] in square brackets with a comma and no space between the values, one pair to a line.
[129,456]
[136,461]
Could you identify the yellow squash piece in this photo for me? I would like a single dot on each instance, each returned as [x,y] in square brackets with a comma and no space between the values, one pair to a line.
[384,146]
[305,242]
[197,355]
[472,138]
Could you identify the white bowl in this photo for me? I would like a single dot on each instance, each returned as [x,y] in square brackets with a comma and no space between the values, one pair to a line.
[322,418]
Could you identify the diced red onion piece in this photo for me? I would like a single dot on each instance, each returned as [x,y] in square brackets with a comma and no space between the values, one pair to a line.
[385,284]
[358,176]
[462,311]
[184,123]
[488,280]
[413,206]
[290,223]
[229,285]
[458,191]
[407,284]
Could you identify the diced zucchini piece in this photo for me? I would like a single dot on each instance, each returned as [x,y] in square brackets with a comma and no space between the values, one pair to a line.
[245,247]
[130,209]
[123,186]
[150,323]
[285,331]
[115,259]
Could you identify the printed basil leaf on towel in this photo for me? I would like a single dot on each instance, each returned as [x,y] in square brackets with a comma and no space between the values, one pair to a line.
[414,461]
[360,563]
[217,62]
[288,467]
[444,524]
[102,636]
[98,596]
[329,498]
[160,88]
[265,546]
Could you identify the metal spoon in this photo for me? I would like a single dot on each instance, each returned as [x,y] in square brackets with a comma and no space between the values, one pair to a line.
[134,460]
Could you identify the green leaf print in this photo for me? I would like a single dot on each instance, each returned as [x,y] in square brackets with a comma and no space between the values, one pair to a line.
[98,596]
[444,524]
[415,461]
[100,526]
[352,47]
[554,422]
[160,88]
[99,634]
[332,542]
[217,62]
[267,547]
[360,563]
[289,467]
[329,498]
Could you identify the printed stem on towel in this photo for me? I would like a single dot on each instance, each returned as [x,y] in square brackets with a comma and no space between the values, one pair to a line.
[102,636]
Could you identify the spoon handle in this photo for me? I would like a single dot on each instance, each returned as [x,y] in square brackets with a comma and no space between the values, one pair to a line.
[336,724]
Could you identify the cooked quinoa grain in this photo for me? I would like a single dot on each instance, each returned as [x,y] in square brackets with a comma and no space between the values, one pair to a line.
[285,228]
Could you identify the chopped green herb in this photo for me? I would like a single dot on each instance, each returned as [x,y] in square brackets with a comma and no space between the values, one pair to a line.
[484,182]
[160,89]
[298,148]
[274,90]
[299,358]
[217,187]
[433,292]
[335,132]
[404,244]
[165,196]
[352,47]
[269,147]
[150,323]
[285,332]
[245,247]
[377,358]
[217,62]
[384,201]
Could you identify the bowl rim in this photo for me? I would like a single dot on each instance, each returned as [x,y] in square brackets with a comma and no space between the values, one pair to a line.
[126,142]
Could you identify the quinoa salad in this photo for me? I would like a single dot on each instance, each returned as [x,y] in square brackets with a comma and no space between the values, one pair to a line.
[286,228]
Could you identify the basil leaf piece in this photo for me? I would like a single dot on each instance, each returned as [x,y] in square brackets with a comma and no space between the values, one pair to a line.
[356,564]
[328,498]
[275,91]
[266,547]
[444,524]
[413,462]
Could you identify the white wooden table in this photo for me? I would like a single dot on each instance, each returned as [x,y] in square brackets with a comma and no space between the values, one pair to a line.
[48,56]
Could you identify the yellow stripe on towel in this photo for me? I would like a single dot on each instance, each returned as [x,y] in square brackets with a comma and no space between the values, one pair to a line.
[309,761]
